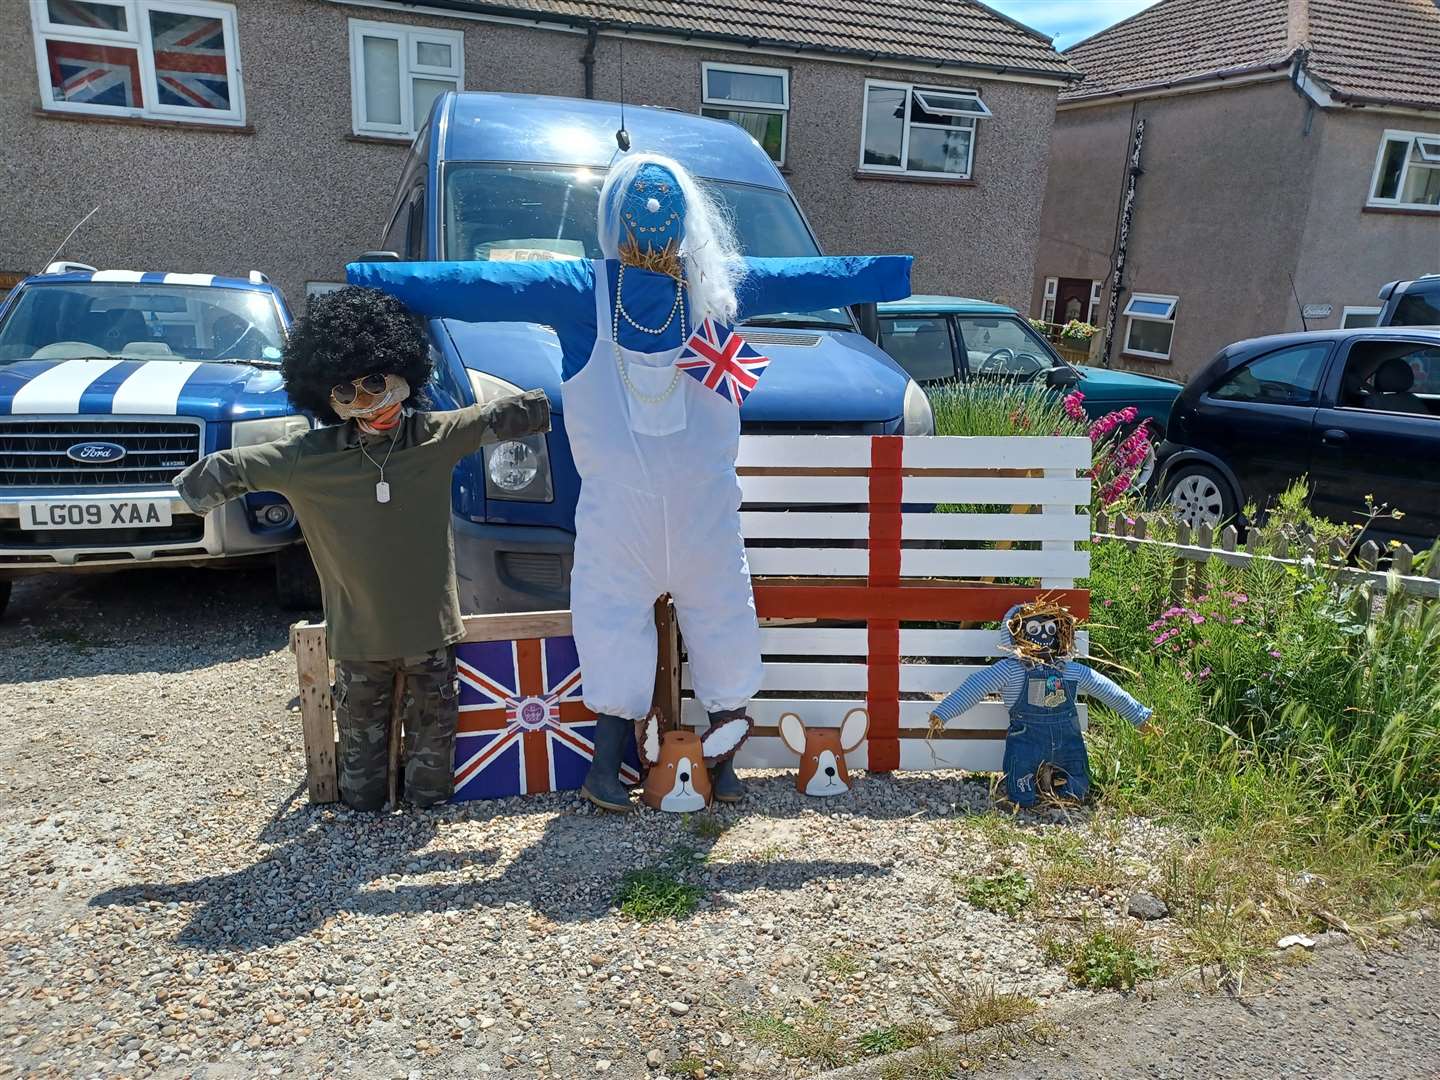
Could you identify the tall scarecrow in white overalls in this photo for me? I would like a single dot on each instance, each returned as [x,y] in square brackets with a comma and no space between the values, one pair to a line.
[653,382]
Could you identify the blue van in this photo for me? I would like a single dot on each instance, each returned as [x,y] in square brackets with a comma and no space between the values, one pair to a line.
[508,176]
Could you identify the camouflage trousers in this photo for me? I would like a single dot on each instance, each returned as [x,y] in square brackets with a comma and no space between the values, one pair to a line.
[364,694]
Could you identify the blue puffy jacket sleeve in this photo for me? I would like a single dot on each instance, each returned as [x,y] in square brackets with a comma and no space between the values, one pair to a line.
[552,292]
[821,282]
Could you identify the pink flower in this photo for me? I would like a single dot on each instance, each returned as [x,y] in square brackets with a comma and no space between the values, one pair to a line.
[1072,405]
[1202,673]
[1275,653]
[1109,603]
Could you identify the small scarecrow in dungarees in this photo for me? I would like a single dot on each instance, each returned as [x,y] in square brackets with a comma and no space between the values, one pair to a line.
[1044,749]
[371,488]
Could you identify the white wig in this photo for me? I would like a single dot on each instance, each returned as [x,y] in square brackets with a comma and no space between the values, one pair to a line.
[708,247]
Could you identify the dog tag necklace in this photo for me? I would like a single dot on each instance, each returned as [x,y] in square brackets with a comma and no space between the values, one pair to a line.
[382,489]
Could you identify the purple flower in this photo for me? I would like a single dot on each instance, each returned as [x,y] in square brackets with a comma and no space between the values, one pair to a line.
[1203,672]
[1275,653]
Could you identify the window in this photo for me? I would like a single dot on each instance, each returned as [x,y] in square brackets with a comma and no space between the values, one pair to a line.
[1359,316]
[756,98]
[159,59]
[1151,322]
[1047,309]
[917,131]
[1407,171]
[396,74]
[1094,303]
[1001,346]
[1420,305]
[921,346]
[1287,377]
[1393,376]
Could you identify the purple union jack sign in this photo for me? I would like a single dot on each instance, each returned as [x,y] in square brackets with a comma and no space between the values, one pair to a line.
[523,727]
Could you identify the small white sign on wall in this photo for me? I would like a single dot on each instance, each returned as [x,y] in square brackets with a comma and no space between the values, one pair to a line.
[1317,311]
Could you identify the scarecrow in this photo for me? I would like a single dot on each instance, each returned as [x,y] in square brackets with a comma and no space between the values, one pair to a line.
[653,382]
[371,488]
[1044,748]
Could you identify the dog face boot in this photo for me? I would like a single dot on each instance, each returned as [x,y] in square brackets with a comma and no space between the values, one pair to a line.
[726,787]
[602,784]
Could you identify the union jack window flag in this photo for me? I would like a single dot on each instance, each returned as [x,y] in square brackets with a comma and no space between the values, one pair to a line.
[722,361]
[190,60]
[94,74]
[523,726]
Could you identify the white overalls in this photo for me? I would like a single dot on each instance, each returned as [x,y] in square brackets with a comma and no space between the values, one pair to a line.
[659,512]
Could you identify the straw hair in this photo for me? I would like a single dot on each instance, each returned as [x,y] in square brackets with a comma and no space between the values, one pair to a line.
[1027,651]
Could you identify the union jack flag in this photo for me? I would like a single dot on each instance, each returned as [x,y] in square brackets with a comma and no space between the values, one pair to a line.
[523,726]
[190,60]
[94,74]
[722,361]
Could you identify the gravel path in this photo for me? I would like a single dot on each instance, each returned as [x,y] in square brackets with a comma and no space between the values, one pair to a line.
[174,907]
[1347,1014]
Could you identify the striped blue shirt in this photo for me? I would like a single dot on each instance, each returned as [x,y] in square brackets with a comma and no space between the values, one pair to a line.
[1007,678]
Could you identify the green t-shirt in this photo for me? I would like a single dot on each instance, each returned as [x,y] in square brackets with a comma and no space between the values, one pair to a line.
[387,569]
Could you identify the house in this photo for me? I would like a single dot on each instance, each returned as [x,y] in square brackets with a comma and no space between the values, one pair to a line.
[269,134]
[1288,159]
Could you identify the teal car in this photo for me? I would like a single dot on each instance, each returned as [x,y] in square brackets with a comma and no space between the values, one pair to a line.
[943,338]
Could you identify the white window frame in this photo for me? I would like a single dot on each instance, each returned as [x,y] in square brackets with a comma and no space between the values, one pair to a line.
[1169,318]
[1094,302]
[138,38]
[740,105]
[408,40]
[1429,147]
[982,112]
[1047,306]
[1347,311]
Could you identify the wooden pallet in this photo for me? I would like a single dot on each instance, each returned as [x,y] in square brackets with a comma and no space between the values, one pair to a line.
[852,559]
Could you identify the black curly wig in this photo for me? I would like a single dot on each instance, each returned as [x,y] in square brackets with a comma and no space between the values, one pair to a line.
[346,335]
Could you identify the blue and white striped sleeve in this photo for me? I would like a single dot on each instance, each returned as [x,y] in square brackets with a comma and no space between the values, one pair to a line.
[992,680]
[1094,684]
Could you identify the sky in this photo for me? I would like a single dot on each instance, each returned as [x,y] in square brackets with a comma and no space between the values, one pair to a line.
[1067,21]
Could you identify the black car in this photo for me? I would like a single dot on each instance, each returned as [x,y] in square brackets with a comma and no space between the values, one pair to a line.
[1356,410]
[1411,303]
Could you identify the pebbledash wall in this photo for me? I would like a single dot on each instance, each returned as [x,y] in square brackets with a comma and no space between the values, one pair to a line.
[1236,197]
[296,194]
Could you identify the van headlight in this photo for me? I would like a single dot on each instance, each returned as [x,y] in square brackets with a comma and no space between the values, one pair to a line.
[255,432]
[919,419]
[516,469]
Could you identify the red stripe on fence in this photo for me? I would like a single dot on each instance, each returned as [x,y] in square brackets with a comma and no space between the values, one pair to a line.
[882,662]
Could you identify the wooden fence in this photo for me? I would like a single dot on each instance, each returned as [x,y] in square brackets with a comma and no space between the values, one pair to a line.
[1195,547]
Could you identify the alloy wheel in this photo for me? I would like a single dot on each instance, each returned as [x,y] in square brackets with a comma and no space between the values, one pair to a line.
[1198,500]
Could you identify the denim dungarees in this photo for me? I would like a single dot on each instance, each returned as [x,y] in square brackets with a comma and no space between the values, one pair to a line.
[1045,726]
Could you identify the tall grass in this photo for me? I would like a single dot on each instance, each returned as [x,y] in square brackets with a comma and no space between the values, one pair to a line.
[1000,408]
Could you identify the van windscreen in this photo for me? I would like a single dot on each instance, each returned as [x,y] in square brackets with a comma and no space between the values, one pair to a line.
[513,212]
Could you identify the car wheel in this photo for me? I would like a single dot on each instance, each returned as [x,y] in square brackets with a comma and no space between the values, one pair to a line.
[1199,496]
[297,586]
[4,595]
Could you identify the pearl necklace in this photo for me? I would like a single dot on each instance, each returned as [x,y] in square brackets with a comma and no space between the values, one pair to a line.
[620,306]
[648,399]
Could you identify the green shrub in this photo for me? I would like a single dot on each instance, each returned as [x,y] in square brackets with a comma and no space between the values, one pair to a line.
[1006,894]
[1102,960]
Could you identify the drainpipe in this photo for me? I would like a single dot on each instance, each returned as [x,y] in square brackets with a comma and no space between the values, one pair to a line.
[587,59]
[1122,246]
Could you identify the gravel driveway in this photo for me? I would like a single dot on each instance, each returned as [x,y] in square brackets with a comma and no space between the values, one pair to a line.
[174,907]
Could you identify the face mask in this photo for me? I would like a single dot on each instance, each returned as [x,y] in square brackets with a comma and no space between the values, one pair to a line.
[373,410]
[652,210]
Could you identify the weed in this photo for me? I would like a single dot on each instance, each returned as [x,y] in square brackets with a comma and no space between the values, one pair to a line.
[932,1063]
[975,1006]
[707,826]
[894,1038]
[692,1068]
[1104,959]
[1006,894]
[654,893]
[840,964]
[812,1036]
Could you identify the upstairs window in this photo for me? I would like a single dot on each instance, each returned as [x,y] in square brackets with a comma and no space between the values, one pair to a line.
[756,98]
[919,131]
[396,73]
[1407,171]
[155,59]
[1150,324]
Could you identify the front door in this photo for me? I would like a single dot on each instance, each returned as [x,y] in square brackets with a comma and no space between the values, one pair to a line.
[1072,300]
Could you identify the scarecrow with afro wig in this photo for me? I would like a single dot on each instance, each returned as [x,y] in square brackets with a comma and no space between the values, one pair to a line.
[371,489]
[1039,682]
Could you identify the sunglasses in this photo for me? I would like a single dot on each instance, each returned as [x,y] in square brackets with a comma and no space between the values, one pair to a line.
[345,393]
